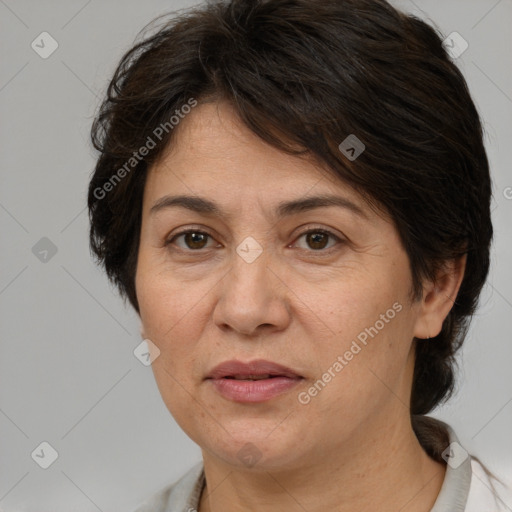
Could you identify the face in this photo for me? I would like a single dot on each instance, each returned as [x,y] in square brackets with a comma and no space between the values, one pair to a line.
[270,274]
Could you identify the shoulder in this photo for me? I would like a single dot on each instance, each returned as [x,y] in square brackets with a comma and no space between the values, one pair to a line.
[180,496]
[487,492]
[468,485]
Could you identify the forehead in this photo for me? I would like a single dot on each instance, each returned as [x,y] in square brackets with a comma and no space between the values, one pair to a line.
[214,153]
[212,133]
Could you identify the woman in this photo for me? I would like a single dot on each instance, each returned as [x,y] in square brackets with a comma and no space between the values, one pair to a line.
[294,197]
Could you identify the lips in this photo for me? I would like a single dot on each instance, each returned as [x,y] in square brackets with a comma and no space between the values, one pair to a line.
[255,381]
[253,370]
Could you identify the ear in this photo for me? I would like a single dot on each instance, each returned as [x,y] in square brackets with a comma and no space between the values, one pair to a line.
[438,298]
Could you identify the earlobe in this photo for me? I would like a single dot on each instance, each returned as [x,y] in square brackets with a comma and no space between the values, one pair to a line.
[438,298]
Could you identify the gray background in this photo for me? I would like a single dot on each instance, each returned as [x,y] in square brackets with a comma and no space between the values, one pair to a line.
[67,370]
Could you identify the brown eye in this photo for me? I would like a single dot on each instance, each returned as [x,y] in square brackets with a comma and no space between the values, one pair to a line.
[318,239]
[193,239]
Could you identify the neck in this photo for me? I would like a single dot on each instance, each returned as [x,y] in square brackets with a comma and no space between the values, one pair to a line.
[392,469]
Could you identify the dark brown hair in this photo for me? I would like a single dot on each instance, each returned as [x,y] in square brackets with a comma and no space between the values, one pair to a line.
[306,74]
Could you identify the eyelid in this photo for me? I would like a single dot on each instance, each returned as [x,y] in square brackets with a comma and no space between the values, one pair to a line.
[320,229]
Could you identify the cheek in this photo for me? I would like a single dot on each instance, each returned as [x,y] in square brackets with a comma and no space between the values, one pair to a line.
[169,314]
[354,305]
[165,312]
[366,353]
[165,301]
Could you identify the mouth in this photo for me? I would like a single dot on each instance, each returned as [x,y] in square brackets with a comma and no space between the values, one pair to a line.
[252,377]
[253,370]
[256,381]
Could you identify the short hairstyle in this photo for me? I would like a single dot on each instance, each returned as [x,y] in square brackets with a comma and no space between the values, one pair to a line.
[303,75]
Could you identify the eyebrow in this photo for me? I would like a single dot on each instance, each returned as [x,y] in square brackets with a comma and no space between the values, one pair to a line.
[286,208]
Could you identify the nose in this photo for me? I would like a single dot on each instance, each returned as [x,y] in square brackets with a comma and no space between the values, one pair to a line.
[253,298]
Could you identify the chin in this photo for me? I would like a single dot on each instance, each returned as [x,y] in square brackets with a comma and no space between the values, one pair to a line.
[253,449]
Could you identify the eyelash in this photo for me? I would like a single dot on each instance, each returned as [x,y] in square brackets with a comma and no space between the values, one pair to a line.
[311,230]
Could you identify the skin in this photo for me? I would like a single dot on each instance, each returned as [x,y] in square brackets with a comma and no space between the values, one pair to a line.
[298,304]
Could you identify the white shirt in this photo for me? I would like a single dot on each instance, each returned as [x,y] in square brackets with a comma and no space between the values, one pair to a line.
[466,486]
